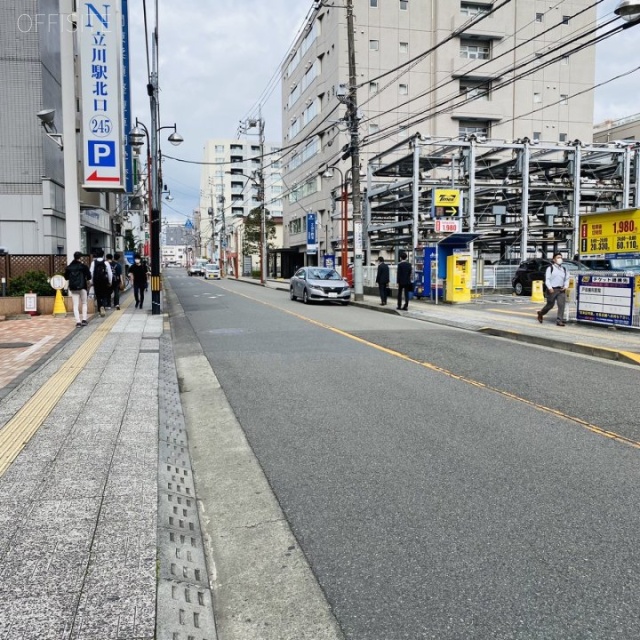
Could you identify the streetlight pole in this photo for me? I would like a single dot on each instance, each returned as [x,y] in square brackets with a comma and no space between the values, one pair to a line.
[355,157]
[343,220]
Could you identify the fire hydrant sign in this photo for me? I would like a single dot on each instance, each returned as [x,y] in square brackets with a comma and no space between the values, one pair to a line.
[99,37]
[606,299]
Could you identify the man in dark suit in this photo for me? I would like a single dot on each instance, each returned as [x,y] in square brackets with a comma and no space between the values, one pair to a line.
[382,278]
[404,281]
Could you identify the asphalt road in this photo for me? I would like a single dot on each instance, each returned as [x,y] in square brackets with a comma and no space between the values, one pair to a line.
[431,489]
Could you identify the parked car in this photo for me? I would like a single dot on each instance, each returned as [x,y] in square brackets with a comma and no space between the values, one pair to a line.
[613,264]
[536,269]
[197,268]
[319,284]
[211,272]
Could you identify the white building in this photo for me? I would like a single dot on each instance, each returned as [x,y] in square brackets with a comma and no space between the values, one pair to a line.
[507,64]
[229,190]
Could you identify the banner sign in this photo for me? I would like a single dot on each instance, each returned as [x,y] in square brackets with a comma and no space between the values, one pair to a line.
[99,42]
[312,233]
[126,101]
[447,226]
[615,234]
[605,299]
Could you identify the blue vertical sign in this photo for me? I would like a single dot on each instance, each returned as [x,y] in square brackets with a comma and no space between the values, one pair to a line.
[126,99]
[312,233]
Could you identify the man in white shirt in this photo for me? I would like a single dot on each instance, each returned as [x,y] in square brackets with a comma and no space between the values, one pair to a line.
[556,281]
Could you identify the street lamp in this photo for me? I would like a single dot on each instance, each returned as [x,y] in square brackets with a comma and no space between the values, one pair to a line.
[628,10]
[136,139]
[328,173]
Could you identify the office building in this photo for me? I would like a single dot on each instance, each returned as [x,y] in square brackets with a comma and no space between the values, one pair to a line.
[422,67]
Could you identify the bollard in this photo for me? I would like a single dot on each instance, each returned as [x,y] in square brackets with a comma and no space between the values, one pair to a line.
[537,291]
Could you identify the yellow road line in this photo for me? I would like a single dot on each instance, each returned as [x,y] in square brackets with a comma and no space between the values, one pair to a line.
[20,429]
[475,383]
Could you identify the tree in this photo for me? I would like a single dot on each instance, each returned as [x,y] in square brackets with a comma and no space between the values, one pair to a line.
[252,226]
[129,240]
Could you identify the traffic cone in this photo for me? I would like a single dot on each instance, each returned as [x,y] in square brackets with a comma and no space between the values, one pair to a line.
[59,308]
[537,291]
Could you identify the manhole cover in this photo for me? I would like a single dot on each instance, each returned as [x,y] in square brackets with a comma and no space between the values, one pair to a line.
[15,345]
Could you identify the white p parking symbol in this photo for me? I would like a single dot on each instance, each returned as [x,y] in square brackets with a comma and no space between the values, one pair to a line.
[102,153]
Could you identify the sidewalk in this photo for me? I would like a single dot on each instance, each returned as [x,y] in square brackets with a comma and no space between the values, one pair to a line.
[96,495]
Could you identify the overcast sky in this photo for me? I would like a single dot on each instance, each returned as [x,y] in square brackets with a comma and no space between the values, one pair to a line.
[218,56]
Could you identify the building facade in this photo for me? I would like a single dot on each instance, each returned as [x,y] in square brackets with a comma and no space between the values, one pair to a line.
[516,73]
[624,129]
[230,190]
[32,207]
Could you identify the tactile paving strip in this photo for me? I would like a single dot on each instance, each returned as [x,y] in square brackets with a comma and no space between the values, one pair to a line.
[185,606]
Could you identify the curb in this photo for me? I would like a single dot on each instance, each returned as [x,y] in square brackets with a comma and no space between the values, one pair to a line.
[574,347]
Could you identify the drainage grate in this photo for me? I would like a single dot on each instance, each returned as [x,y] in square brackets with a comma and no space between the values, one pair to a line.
[185,607]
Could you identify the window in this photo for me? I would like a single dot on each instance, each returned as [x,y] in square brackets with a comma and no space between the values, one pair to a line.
[539,17]
[404,5]
[373,87]
[564,98]
[478,127]
[565,19]
[309,113]
[404,47]
[563,137]
[471,9]
[373,4]
[236,159]
[374,128]
[219,159]
[236,147]
[374,45]
[475,89]
[537,98]
[219,148]
[295,226]
[475,50]
[237,211]
[403,89]
[276,190]
[536,136]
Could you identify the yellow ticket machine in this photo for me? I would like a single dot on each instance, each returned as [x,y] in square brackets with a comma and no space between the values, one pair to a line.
[458,288]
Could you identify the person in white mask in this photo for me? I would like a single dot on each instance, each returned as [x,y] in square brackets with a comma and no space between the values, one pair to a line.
[556,282]
[138,277]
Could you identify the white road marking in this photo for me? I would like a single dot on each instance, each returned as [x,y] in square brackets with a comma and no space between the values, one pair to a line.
[33,348]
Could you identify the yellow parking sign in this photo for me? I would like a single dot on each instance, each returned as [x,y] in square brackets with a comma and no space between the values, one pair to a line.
[446,203]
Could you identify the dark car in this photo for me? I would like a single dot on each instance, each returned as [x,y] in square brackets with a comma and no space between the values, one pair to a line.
[536,269]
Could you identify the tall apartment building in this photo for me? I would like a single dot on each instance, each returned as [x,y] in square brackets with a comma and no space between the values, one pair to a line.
[501,79]
[229,182]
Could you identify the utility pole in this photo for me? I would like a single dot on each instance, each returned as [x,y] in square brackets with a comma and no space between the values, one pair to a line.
[352,105]
[244,127]
[223,241]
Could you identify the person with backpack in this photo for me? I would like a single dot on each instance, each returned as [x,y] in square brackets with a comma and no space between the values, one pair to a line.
[78,276]
[101,277]
[116,270]
[557,282]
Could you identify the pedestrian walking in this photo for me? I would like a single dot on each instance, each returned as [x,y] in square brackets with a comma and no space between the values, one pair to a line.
[138,277]
[78,275]
[382,278]
[556,282]
[117,283]
[403,278]
[102,278]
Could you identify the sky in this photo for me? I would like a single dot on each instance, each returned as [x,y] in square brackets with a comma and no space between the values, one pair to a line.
[218,56]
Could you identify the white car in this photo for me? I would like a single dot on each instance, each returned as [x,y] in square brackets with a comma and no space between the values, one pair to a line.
[211,272]
[196,269]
